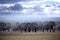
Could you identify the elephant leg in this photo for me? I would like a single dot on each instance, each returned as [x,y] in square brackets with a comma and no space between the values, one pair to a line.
[35,30]
[50,30]
[53,30]
[25,30]
[8,30]
[42,30]
[47,30]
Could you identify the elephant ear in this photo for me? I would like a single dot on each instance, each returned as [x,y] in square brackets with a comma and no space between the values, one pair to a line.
[2,24]
[52,23]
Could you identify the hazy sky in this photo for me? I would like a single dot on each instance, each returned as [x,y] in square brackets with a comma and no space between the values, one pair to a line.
[29,10]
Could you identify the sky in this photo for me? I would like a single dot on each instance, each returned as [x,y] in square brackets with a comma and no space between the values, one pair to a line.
[29,10]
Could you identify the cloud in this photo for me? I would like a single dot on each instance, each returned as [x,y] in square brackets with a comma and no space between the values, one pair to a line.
[50,3]
[5,13]
[38,9]
[12,1]
[31,8]
[44,8]
[11,10]
[8,1]
[15,1]
[16,7]
[58,6]
[56,0]
[3,8]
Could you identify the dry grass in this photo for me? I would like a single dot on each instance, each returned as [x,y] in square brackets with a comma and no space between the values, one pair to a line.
[30,36]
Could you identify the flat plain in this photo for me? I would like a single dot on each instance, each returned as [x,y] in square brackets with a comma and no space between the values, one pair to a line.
[30,36]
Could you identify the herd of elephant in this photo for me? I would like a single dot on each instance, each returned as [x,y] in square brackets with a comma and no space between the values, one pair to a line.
[35,28]
[31,27]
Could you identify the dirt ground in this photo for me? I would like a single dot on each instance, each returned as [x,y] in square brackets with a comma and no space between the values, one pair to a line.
[30,36]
